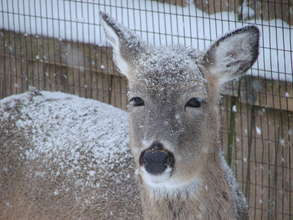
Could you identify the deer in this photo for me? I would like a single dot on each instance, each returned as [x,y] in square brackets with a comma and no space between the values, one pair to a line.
[174,123]
[168,165]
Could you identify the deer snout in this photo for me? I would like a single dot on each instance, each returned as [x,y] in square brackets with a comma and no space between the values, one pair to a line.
[156,159]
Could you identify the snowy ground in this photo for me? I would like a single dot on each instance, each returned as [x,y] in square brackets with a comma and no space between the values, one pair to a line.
[156,23]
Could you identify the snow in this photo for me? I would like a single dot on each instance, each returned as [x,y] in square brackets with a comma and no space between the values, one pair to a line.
[157,23]
[258,130]
[67,129]
[170,68]
[246,11]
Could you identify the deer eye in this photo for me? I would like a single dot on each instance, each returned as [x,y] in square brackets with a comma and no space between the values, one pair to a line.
[136,101]
[194,102]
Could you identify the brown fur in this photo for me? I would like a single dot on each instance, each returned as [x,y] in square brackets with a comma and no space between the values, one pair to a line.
[28,186]
[213,200]
[200,187]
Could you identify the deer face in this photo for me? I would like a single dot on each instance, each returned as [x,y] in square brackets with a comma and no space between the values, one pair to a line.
[173,93]
[168,100]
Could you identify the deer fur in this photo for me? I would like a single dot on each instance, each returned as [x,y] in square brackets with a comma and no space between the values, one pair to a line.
[199,187]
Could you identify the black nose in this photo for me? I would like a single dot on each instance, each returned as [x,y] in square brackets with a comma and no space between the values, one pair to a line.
[156,159]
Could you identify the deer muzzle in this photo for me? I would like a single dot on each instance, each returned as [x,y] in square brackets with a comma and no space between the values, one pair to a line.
[156,159]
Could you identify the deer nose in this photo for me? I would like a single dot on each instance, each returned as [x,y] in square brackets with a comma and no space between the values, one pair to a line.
[156,159]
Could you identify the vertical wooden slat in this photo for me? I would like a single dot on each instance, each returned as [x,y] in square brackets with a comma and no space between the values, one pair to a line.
[271,144]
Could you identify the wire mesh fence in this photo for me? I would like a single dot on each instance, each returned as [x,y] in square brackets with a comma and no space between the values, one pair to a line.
[59,45]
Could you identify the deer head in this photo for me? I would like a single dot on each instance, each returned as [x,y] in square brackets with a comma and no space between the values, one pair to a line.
[173,100]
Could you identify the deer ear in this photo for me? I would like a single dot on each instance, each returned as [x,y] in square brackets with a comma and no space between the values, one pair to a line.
[232,55]
[126,46]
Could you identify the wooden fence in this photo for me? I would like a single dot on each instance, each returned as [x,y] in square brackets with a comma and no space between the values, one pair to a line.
[54,65]
[257,114]
[257,135]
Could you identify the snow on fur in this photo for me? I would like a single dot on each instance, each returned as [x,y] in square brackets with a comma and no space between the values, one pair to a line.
[64,127]
[65,156]
[63,131]
[170,67]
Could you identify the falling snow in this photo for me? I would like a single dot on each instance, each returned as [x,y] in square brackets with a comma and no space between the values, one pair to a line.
[258,130]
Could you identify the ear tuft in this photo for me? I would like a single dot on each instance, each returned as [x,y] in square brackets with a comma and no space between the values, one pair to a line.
[232,55]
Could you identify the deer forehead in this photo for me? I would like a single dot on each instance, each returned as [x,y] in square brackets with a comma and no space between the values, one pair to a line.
[168,68]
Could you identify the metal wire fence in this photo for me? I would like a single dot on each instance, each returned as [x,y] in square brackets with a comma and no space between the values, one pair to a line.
[59,45]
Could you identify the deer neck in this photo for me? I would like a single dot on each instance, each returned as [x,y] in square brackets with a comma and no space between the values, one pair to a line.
[196,201]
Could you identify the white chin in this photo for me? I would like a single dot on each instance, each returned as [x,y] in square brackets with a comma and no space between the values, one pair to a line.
[165,181]
[155,180]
